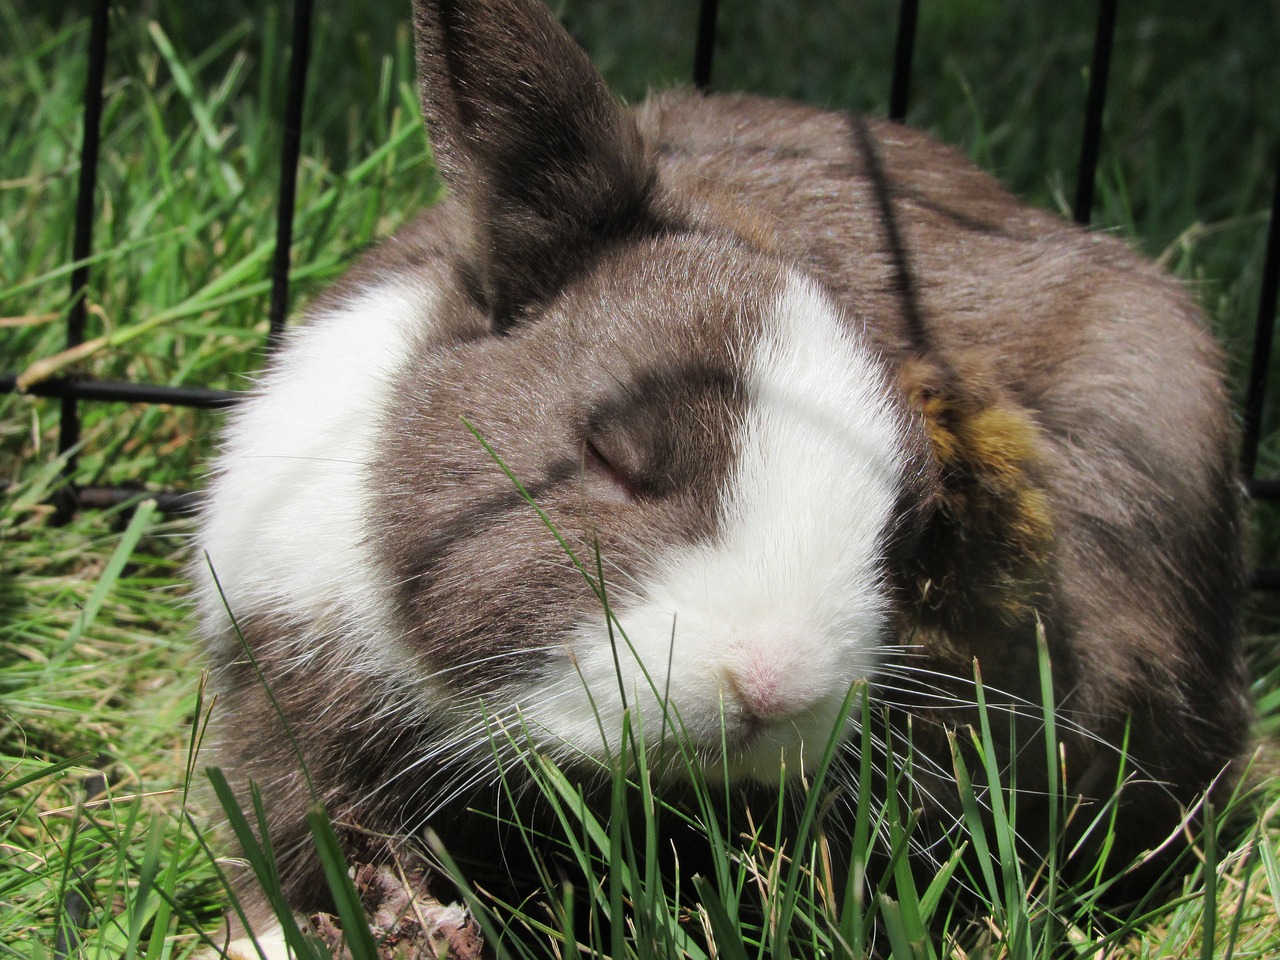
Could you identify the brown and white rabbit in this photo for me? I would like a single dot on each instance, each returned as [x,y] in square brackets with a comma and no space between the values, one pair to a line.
[830,404]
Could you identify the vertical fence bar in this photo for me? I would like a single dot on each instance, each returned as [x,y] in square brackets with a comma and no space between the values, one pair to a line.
[902,54]
[1263,334]
[294,96]
[82,240]
[1099,68]
[706,42]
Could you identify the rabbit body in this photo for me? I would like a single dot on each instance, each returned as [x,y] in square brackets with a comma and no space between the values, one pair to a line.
[827,403]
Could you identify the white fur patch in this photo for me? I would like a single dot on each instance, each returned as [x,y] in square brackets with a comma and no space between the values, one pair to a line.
[270,945]
[786,608]
[284,527]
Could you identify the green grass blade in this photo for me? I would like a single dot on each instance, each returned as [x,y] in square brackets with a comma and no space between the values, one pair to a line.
[728,938]
[1209,913]
[1269,854]
[355,926]
[48,771]
[261,860]
[904,946]
[143,514]
[975,822]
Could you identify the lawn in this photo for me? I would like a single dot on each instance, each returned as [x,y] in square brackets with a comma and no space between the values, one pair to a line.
[105,848]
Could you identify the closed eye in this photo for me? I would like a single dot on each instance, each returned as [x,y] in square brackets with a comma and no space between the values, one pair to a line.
[611,481]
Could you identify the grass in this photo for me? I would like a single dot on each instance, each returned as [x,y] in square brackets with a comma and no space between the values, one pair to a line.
[103,849]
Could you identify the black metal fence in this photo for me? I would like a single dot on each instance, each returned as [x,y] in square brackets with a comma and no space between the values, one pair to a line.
[72,391]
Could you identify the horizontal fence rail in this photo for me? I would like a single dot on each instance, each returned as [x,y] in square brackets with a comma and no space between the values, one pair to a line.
[72,391]
[124,391]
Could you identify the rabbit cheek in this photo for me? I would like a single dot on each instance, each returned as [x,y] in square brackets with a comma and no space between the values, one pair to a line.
[283,534]
[756,636]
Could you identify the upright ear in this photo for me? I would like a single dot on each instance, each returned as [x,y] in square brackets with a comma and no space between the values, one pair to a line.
[528,137]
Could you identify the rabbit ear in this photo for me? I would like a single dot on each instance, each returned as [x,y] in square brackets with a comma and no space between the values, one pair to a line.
[529,138]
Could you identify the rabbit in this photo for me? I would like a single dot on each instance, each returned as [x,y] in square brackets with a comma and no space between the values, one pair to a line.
[815,404]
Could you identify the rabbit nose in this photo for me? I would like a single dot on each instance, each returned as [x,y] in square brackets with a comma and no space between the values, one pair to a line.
[760,688]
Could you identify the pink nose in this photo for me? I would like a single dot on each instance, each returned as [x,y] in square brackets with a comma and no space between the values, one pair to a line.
[762,691]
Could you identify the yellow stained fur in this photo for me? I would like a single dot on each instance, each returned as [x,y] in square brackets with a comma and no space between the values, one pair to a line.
[989,452]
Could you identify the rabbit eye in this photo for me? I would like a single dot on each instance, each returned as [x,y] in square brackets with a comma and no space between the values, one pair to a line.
[613,465]
[659,436]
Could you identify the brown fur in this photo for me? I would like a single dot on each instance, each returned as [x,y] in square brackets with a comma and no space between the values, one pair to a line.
[1073,446]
